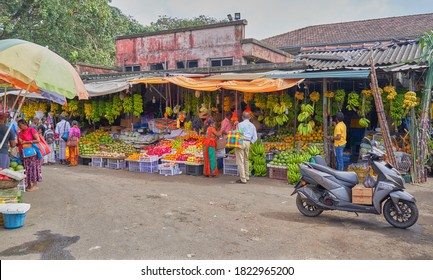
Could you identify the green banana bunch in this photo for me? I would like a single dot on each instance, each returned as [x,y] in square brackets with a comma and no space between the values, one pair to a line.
[352,101]
[313,150]
[364,122]
[305,129]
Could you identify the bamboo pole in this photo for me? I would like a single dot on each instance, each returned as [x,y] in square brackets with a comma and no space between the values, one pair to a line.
[413,133]
[381,114]
[325,121]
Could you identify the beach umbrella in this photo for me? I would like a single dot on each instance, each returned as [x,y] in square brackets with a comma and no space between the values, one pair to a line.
[34,68]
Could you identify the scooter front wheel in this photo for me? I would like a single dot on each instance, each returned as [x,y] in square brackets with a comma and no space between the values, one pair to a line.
[405,219]
[306,208]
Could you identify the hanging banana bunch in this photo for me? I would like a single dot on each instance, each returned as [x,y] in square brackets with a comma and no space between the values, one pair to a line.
[352,101]
[365,107]
[390,91]
[87,110]
[306,126]
[260,101]
[329,95]
[226,104]
[340,95]
[248,96]
[299,95]
[410,100]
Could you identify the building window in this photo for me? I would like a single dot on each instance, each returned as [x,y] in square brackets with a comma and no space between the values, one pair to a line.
[188,64]
[132,68]
[158,66]
[192,63]
[180,65]
[215,62]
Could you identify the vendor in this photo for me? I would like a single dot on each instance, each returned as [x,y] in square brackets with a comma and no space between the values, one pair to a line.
[9,141]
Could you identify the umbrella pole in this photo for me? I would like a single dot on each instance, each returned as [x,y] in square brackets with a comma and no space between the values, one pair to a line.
[15,115]
[16,100]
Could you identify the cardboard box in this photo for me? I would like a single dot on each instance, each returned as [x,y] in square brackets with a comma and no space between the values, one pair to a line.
[362,195]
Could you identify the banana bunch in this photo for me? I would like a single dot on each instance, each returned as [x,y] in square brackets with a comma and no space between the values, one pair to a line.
[248,96]
[367,92]
[87,110]
[305,129]
[390,90]
[293,173]
[364,122]
[188,126]
[260,101]
[329,94]
[281,119]
[259,170]
[312,123]
[226,104]
[270,121]
[306,111]
[54,107]
[339,98]
[410,100]
[280,108]
[299,95]
[313,151]
[271,101]
[203,108]
[138,104]
[314,96]
[352,101]
[128,104]
[169,111]
[176,109]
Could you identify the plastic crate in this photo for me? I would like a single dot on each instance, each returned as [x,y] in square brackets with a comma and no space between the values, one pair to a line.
[116,164]
[144,167]
[278,173]
[229,161]
[269,156]
[99,162]
[169,170]
[230,170]
[194,170]
[22,185]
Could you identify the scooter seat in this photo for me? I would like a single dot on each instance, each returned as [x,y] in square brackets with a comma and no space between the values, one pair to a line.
[346,176]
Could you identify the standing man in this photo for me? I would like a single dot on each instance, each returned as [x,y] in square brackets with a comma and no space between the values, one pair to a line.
[62,127]
[339,139]
[249,134]
[10,141]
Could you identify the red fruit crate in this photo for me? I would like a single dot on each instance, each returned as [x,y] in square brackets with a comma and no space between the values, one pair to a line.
[278,173]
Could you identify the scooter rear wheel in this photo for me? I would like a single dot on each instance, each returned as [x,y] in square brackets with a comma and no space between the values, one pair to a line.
[406,219]
[306,208]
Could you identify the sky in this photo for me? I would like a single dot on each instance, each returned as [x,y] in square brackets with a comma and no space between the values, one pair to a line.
[267,18]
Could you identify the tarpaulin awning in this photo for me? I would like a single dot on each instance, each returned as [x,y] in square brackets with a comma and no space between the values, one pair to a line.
[44,94]
[261,85]
[258,85]
[100,88]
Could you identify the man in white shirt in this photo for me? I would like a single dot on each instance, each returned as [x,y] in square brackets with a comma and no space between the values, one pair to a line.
[249,134]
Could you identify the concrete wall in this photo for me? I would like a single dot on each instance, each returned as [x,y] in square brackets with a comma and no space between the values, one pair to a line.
[88,69]
[201,45]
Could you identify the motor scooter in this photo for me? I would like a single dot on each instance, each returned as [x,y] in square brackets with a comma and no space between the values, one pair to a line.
[323,188]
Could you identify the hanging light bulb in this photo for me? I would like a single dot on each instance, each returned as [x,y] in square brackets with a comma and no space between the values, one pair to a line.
[153,99]
[217,99]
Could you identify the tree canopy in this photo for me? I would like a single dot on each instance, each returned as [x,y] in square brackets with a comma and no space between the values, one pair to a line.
[78,30]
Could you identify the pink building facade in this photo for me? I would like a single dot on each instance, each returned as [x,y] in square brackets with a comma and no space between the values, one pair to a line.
[221,44]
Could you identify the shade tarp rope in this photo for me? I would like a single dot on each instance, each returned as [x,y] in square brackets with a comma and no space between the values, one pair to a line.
[259,85]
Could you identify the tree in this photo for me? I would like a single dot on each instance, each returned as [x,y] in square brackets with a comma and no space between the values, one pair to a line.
[426,42]
[166,23]
[78,30]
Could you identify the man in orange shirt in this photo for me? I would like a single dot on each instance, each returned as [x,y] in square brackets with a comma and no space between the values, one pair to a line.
[339,139]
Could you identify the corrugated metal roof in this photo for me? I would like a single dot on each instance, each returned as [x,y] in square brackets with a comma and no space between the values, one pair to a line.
[353,74]
[397,53]
[235,76]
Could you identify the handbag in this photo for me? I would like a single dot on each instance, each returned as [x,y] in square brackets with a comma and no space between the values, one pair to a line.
[220,143]
[72,141]
[29,152]
[234,139]
[65,136]
[42,148]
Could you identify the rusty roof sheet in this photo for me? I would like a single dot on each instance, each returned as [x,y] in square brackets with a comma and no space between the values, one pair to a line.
[396,53]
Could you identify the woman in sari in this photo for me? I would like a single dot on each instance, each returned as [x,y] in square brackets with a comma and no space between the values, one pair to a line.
[26,138]
[74,136]
[209,153]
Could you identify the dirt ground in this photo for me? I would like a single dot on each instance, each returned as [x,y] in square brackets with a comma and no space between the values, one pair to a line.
[90,213]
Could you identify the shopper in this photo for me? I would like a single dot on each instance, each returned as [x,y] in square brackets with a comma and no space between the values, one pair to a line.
[35,123]
[62,127]
[26,137]
[227,124]
[339,139]
[74,136]
[49,138]
[209,150]
[9,141]
[249,136]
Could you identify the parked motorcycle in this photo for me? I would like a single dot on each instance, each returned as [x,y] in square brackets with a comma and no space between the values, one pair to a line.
[323,188]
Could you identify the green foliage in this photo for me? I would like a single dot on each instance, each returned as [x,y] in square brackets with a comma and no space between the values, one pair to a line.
[166,23]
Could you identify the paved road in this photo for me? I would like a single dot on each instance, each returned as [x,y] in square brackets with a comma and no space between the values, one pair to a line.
[89,213]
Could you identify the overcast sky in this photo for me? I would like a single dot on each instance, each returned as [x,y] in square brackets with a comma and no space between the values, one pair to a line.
[267,18]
